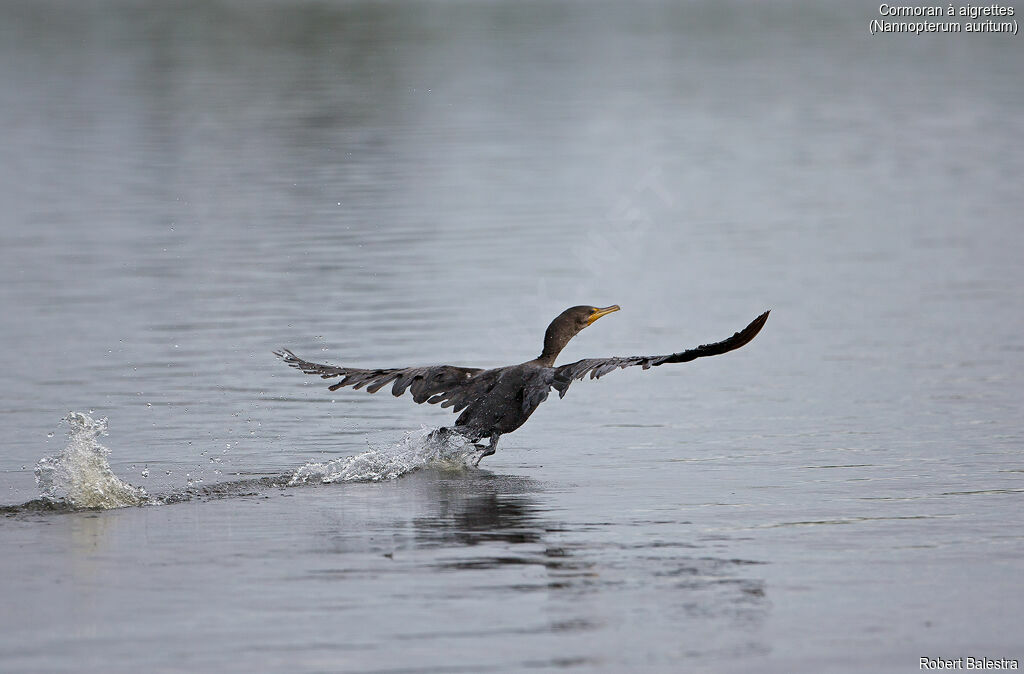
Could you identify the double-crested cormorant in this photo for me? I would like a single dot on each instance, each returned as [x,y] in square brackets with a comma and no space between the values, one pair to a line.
[498,401]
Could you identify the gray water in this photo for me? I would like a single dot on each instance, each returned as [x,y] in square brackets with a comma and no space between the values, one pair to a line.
[188,186]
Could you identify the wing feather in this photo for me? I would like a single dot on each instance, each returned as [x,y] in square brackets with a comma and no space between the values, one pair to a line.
[446,384]
[598,367]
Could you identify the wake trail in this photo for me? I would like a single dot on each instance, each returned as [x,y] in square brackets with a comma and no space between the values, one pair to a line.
[80,476]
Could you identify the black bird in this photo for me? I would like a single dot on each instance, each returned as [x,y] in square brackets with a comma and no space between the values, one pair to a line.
[498,401]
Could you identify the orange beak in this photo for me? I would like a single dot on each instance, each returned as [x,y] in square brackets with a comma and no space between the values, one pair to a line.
[598,313]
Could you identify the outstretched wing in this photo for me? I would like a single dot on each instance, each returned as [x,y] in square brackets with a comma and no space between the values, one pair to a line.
[446,384]
[598,367]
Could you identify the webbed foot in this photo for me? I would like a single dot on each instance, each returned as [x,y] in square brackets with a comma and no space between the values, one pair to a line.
[488,450]
[484,451]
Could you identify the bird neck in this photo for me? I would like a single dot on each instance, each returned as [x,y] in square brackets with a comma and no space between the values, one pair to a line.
[554,341]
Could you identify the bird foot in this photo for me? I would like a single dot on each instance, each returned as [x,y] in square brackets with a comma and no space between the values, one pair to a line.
[485,450]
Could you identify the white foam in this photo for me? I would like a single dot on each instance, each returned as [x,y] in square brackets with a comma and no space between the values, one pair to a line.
[416,450]
[81,477]
[80,474]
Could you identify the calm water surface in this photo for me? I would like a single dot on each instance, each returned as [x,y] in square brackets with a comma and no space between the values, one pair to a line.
[187,188]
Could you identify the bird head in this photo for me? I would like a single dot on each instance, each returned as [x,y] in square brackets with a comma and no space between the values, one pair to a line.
[567,325]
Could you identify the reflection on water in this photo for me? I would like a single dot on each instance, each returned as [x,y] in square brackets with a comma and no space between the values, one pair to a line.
[490,545]
[481,510]
[486,509]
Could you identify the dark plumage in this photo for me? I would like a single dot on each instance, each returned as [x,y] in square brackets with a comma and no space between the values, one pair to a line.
[498,401]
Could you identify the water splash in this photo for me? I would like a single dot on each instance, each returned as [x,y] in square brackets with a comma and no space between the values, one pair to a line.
[438,447]
[80,475]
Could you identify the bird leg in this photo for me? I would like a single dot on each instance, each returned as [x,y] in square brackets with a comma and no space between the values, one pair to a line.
[488,450]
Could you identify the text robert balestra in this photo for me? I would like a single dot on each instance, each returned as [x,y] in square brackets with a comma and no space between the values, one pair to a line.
[968,663]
